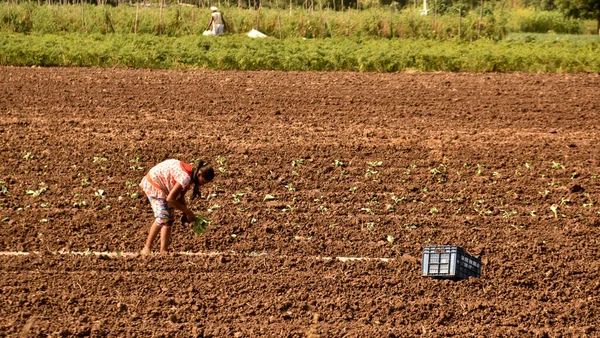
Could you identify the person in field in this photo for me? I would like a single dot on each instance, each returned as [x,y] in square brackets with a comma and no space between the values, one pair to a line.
[166,185]
[216,21]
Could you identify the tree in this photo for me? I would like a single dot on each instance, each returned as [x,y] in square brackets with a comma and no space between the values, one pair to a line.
[584,9]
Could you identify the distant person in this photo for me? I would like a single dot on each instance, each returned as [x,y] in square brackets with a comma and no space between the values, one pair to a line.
[166,185]
[217,22]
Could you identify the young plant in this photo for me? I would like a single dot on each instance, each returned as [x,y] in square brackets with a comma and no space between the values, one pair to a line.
[338,163]
[29,156]
[375,163]
[268,197]
[237,197]
[398,200]
[99,193]
[554,209]
[221,160]
[99,159]
[556,165]
[36,193]
[298,162]
[290,188]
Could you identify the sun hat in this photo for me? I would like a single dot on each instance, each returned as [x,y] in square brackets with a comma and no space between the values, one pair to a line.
[213,8]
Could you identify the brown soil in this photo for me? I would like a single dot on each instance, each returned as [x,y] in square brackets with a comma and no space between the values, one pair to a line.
[474,160]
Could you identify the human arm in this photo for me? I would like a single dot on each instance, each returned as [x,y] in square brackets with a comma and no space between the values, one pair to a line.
[176,198]
[210,22]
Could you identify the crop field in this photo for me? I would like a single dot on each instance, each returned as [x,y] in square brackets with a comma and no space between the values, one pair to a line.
[328,186]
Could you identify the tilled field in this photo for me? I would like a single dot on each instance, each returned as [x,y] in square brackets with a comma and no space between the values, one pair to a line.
[357,165]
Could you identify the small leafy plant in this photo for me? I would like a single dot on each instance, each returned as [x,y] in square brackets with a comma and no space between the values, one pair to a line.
[200,224]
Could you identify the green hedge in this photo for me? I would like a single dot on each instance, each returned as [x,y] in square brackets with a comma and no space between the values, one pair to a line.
[242,53]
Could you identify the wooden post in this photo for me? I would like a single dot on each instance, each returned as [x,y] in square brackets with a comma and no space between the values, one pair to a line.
[290,7]
[137,12]
[82,14]
[479,22]
[160,18]
[279,24]
[459,20]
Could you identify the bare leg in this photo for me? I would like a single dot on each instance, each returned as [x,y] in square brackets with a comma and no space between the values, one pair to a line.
[165,238]
[152,233]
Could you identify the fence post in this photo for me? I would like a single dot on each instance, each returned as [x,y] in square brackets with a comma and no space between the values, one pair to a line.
[479,22]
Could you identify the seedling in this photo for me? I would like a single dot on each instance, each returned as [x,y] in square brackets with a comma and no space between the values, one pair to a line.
[398,200]
[564,201]
[221,160]
[44,220]
[136,167]
[6,219]
[99,159]
[353,189]
[290,188]
[322,208]
[99,193]
[375,163]
[479,171]
[80,204]
[338,163]
[288,208]
[268,197]
[556,165]
[434,211]
[527,165]
[435,171]
[200,224]
[390,238]
[370,225]
[135,195]
[130,184]
[297,163]
[222,170]
[574,175]
[532,213]
[211,209]
[237,197]
[85,182]
[29,156]
[554,209]
[36,193]
[368,211]
[3,189]
[371,172]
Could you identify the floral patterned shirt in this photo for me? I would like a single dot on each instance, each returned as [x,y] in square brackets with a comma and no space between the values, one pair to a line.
[161,179]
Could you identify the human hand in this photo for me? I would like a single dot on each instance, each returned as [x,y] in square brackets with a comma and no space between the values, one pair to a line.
[191,217]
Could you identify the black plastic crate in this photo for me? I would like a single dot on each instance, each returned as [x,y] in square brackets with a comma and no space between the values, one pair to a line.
[450,262]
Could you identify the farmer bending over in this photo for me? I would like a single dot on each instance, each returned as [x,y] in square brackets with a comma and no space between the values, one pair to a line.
[217,22]
[166,185]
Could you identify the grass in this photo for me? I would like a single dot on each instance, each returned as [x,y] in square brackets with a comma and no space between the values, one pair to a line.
[384,21]
[238,52]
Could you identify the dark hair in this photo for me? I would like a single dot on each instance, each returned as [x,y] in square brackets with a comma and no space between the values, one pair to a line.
[207,173]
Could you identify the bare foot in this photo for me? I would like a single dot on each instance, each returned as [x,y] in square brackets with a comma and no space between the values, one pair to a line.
[145,251]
